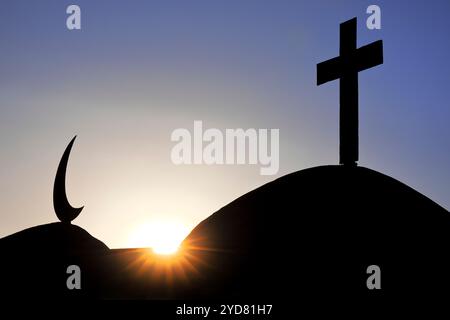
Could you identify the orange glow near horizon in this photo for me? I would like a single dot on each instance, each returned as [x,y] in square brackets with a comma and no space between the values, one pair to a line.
[163,237]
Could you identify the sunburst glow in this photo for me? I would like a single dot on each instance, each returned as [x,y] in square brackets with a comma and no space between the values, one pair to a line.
[164,237]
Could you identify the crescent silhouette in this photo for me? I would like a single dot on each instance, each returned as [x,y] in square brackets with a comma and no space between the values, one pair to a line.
[64,211]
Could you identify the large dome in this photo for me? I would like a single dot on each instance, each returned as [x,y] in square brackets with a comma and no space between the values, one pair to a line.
[318,230]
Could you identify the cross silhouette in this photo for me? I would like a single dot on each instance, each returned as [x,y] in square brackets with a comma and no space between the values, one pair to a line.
[345,67]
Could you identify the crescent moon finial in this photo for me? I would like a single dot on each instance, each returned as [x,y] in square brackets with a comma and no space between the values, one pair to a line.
[64,211]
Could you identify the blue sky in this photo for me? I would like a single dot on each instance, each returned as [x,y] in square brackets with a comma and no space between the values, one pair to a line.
[137,70]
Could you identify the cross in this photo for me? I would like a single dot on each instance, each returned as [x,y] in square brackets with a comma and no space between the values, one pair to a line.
[345,67]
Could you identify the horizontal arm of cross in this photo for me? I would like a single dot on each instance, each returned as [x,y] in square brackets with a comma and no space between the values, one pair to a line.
[329,70]
[364,58]
[369,56]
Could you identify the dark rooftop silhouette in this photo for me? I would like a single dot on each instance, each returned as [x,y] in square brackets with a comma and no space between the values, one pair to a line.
[317,230]
[313,232]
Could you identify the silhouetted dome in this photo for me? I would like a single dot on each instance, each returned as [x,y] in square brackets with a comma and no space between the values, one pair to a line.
[54,238]
[34,262]
[317,230]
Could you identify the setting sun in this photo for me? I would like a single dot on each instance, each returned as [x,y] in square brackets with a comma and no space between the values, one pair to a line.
[164,237]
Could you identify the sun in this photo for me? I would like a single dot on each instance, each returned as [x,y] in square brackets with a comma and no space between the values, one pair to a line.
[164,237]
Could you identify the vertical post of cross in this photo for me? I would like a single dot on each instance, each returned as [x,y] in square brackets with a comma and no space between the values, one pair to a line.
[348,95]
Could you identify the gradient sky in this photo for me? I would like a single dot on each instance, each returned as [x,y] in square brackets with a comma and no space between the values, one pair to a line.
[140,69]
